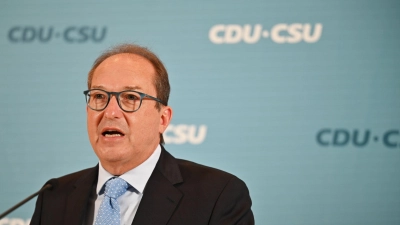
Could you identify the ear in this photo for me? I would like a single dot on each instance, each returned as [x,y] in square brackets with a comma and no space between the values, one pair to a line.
[165,119]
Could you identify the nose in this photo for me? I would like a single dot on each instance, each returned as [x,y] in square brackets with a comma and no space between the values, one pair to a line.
[113,110]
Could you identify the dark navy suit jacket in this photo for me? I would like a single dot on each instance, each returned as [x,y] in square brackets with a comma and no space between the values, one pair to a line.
[178,192]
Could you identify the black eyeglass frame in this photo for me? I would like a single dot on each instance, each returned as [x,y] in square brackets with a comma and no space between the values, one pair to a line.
[117,94]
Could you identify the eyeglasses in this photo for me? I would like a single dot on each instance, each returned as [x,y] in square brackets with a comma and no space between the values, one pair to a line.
[128,101]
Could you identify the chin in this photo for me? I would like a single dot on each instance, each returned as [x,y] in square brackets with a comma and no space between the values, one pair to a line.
[112,155]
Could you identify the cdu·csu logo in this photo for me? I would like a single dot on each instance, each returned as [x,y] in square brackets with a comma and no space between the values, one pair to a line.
[70,34]
[14,221]
[358,138]
[184,133]
[280,33]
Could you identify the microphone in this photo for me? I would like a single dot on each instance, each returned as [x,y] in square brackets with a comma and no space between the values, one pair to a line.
[50,185]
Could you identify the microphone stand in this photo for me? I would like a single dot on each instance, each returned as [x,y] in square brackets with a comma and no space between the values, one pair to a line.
[47,186]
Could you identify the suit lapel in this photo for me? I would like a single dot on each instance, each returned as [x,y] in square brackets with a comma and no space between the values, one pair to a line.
[77,200]
[160,197]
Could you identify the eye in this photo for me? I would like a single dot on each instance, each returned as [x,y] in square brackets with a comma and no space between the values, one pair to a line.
[98,96]
[130,96]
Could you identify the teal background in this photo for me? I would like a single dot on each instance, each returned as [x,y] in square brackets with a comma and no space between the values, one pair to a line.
[262,104]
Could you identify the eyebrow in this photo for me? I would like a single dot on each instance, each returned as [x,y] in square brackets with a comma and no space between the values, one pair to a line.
[132,88]
[125,88]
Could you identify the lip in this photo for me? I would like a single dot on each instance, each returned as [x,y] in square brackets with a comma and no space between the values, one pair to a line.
[112,129]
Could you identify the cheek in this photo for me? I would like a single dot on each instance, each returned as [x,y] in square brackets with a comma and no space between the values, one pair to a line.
[144,125]
[92,124]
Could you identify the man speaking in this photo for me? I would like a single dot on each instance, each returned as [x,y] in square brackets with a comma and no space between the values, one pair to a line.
[137,181]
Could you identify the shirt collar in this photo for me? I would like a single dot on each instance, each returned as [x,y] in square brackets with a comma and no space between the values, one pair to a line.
[136,177]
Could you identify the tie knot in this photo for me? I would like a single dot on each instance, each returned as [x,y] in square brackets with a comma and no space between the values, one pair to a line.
[115,187]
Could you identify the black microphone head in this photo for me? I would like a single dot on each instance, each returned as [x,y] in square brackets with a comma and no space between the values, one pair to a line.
[52,184]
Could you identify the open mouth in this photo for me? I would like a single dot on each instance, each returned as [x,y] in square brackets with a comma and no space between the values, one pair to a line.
[112,133]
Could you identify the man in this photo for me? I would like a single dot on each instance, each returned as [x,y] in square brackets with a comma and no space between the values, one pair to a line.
[137,181]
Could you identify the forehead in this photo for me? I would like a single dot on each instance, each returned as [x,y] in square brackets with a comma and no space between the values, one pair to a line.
[124,69]
[126,61]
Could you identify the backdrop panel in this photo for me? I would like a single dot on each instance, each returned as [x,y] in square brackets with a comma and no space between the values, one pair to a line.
[300,99]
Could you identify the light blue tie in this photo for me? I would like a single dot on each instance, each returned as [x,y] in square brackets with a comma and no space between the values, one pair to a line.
[109,212]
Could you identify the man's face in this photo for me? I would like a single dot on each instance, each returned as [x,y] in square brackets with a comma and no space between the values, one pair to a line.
[135,134]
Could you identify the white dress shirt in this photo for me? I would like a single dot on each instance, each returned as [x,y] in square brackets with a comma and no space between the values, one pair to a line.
[129,201]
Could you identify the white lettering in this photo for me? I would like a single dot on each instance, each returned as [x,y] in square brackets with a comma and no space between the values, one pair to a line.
[295,32]
[14,221]
[182,133]
[17,221]
[307,37]
[233,34]
[275,36]
[213,34]
[256,33]
[201,134]
[250,34]
[4,221]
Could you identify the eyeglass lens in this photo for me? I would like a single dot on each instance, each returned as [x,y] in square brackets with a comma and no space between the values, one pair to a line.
[128,100]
